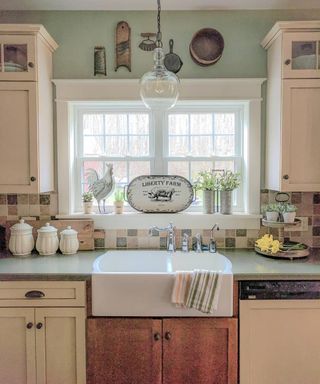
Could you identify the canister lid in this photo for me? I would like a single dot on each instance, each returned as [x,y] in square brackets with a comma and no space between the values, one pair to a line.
[69,232]
[21,227]
[47,229]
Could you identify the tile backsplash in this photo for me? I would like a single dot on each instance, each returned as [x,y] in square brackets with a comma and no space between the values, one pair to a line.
[44,207]
[41,206]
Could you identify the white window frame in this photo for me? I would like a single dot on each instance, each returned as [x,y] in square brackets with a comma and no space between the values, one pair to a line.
[247,91]
[211,107]
[118,108]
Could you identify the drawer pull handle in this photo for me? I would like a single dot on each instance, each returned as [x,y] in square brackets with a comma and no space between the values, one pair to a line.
[39,325]
[29,325]
[168,336]
[34,294]
[157,336]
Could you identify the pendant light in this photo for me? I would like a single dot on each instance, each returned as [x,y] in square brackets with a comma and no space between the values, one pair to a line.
[159,88]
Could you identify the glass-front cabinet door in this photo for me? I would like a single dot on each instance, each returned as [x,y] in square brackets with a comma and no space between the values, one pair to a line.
[17,58]
[301,55]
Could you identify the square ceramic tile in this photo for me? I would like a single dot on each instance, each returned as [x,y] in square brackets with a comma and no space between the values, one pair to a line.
[3,199]
[33,199]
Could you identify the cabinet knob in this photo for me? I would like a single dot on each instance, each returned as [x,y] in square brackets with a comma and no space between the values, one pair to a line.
[286,177]
[157,336]
[29,325]
[168,336]
[31,64]
[32,178]
[39,325]
[287,62]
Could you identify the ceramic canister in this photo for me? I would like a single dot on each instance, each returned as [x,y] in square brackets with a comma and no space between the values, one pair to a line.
[47,241]
[21,240]
[69,243]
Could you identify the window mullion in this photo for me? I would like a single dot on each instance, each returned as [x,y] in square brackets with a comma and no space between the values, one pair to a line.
[160,128]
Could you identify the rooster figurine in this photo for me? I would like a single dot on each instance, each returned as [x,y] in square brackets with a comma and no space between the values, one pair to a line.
[101,188]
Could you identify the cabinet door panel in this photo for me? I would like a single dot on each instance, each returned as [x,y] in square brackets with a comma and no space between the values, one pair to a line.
[17,58]
[17,346]
[124,351]
[301,135]
[60,344]
[202,351]
[300,55]
[18,137]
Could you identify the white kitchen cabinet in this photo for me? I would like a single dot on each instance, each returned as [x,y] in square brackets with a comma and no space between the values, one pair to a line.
[26,117]
[40,344]
[293,99]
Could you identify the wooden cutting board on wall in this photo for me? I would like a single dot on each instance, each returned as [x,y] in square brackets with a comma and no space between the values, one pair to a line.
[85,229]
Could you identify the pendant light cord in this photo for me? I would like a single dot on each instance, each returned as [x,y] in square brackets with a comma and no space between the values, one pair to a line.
[159,34]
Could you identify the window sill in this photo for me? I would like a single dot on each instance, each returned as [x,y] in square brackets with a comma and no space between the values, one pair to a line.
[184,220]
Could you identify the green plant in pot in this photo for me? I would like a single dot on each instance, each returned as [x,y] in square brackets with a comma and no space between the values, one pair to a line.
[289,212]
[118,201]
[227,183]
[87,200]
[271,211]
[206,182]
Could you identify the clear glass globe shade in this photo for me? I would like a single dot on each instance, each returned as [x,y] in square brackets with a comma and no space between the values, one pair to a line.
[159,88]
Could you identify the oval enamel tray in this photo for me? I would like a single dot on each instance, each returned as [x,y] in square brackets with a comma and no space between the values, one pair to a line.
[160,194]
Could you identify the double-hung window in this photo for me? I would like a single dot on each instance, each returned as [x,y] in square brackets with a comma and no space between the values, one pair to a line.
[192,137]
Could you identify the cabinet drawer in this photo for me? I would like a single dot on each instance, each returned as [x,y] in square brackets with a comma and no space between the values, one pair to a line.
[42,294]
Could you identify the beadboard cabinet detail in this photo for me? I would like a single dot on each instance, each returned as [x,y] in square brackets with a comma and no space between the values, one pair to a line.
[26,117]
[293,113]
[38,344]
[162,351]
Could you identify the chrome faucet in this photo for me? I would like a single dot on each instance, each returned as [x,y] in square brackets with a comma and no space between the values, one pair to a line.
[171,236]
[212,242]
[185,243]
[198,244]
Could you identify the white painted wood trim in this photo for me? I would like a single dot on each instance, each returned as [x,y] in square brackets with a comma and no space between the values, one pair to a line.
[182,220]
[128,89]
[73,91]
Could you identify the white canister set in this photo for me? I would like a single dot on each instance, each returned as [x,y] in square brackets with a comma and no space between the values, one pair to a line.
[21,241]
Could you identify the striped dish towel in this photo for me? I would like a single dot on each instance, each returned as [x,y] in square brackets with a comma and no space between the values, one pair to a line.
[181,288]
[204,291]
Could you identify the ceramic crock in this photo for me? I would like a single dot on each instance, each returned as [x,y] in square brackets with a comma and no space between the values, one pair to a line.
[21,240]
[69,243]
[47,242]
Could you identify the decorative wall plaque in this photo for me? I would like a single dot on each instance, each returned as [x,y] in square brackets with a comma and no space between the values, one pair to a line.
[160,194]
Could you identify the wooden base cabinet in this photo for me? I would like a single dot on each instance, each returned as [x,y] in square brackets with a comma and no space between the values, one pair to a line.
[41,345]
[168,351]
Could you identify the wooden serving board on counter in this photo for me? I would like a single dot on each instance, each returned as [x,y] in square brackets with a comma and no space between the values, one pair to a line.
[84,227]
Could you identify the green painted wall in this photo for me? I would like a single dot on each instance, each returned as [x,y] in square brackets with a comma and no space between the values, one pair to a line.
[78,32]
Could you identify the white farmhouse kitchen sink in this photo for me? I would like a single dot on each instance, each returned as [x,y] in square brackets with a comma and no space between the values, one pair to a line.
[140,282]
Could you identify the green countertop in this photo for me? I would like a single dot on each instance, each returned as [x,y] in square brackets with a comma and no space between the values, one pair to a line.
[246,265]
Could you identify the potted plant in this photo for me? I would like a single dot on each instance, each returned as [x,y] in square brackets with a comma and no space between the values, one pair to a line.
[207,182]
[227,182]
[87,199]
[118,201]
[289,213]
[271,211]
